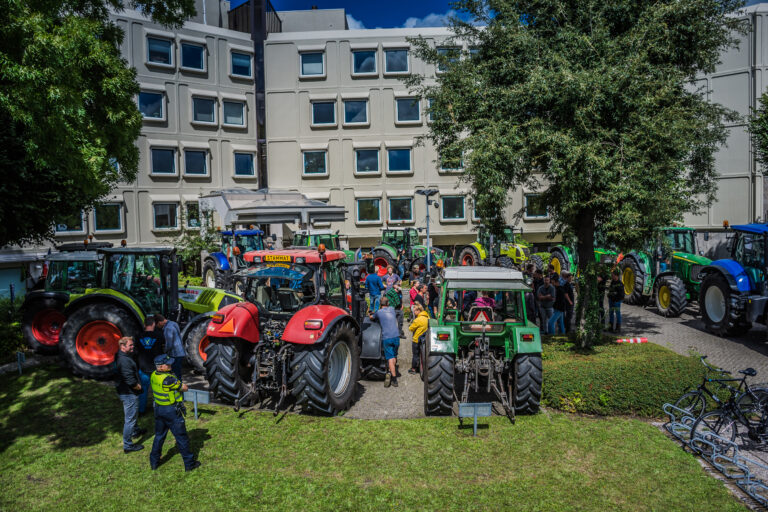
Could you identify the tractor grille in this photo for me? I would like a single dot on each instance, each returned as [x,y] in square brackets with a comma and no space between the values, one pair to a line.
[206,297]
[695,271]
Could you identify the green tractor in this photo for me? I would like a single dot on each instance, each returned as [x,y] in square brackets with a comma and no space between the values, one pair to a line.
[667,271]
[565,257]
[315,237]
[402,245]
[482,342]
[506,251]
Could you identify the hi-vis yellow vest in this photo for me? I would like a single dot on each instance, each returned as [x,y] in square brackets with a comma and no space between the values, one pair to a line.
[163,394]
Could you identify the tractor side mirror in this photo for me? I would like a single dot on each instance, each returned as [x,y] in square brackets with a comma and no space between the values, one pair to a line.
[186,284]
[322,292]
[273,237]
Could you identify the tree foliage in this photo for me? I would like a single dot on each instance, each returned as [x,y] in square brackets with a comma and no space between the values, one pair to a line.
[758,127]
[68,118]
[591,103]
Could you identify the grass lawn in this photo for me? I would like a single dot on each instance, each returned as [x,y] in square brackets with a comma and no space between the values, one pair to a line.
[60,448]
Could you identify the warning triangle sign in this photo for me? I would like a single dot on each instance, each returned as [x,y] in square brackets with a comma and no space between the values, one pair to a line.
[228,327]
[481,316]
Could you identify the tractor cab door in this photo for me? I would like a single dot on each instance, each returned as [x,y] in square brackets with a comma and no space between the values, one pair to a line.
[141,278]
[413,237]
[749,251]
[334,283]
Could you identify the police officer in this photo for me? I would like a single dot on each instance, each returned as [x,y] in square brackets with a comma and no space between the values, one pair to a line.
[169,413]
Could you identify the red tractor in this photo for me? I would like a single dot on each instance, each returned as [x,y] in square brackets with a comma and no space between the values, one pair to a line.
[299,332]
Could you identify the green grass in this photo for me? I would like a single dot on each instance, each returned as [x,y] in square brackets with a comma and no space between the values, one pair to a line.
[60,449]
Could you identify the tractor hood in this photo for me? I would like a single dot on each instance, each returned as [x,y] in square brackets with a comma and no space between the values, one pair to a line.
[691,258]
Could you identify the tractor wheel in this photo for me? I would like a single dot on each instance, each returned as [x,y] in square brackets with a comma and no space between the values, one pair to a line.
[90,335]
[718,310]
[670,294]
[506,262]
[324,376]
[438,385]
[225,371]
[469,257]
[559,261]
[537,262]
[633,277]
[195,346]
[381,260]
[41,325]
[525,391]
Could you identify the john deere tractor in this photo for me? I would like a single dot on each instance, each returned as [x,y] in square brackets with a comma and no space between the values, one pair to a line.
[667,272]
[402,244]
[504,251]
[315,237]
[565,257]
[219,267]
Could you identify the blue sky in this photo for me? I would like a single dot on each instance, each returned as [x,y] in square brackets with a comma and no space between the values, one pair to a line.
[365,14]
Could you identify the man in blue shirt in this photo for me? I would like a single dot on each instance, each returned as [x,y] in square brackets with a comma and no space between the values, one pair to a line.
[174,347]
[375,285]
[390,339]
[150,345]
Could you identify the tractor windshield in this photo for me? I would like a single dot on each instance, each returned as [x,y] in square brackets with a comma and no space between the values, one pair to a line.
[750,252]
[280,287]
[249,243]
[681,241]
[473,307]
[393,237]
[72,276]
[139,277]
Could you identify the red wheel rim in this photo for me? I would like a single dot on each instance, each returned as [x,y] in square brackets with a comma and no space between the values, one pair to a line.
[204,342]
[381,266]
[468,260]
[96,343]
[46,326]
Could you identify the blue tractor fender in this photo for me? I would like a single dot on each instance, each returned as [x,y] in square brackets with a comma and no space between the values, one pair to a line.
[222,263]
[734,273]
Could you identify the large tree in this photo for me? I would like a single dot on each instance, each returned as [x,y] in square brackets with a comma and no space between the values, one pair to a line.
[592,104]
[68,118]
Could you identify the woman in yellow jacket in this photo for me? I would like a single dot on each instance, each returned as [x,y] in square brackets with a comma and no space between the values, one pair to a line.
[418,328]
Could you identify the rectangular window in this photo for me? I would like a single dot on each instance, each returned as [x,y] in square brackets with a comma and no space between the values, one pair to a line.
[364,62]
[244,164]
[535,207]
[108,217]
[192,214]
[356,112]
[151,105]
[451,161]
[241,64]
[165,215]
[315,163]
[401,209]
[159,51]
[369,210]
[396,61]
[399,160]
[73,224]
[163,161]
[195,162]
[452,208]
[324,112]
[312,64]
[451,55]
[192,56]
[234,113]
[367,160]
[204,110]
[408,110]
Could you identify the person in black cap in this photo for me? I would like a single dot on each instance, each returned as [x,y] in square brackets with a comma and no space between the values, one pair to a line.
[150,346]
[169,413]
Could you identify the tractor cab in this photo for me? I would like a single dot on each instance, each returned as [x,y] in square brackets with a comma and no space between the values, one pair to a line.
[401,239]
[73,272]
[314,238]
[749,250]
[238,242]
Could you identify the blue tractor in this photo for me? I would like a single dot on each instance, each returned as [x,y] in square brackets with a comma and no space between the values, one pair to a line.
[219,268]
[733,291]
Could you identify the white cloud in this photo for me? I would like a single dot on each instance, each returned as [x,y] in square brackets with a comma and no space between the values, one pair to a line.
[354,24]
[430,20]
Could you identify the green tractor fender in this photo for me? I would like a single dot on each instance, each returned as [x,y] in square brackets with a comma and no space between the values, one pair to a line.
[646,265]
[519,341]
[103,295]
[480,250]
[388,249]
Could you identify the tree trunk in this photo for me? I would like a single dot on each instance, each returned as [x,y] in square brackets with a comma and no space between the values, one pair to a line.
[588,305]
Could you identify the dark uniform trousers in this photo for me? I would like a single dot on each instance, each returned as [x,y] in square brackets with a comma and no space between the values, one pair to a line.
[169,417]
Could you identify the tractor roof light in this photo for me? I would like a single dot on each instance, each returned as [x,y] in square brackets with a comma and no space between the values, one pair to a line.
[321,248]
[726,224]
[123,243]
[236,250]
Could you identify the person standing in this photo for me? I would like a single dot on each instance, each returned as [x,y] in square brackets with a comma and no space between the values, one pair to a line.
[394,297]
[558,310]
[569,300]
[392,278]
[169,413]
[390,339]
[150,346]
[374,285]
[615,298]
[538,281]
[415,285]
[128,389]
[433,298]
[418,327]
[174,347]
[546,296]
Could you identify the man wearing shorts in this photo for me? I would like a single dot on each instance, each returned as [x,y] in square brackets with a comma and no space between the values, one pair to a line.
[390,339]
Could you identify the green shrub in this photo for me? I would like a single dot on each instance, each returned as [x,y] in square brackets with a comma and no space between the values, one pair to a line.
[11,338]
[616,378]
[193,280]
[544,256]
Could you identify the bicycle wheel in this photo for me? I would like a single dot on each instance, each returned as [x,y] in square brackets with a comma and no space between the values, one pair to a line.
[710,430]
[692,402]
[752,405]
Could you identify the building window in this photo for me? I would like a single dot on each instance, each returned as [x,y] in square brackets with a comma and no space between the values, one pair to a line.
[315,163]
[451,162]
[535,207]
[195,162]
[108,217]
[366,161]
[163,161]
[323,112]
[399,160]
[364,62]
[396,61]
[159,51]
[408,110]
[151,105]
[166,215]
[452,208]
[451,54]
[241,64]
[401,209]
[369,210]
[192,214]
[72,224]
[234,113]
[356,112]
[244,164]
[312,64]
[204,110]
[192,56]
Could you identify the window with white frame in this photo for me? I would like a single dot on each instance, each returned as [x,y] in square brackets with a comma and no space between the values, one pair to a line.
[451,161]
[203,110]
[312,64]
[163,161]
[165,215]
[408,110]
[241,64]
[234,113]
[367,161]
[323,113]
[159,51]
[355,111]
[364,62]
[399,160]
[315,163]
[396,61]
[450,55]
[195,162]
[244,164]
[192,214]
[401,209]
[108,217]
[535,207]
[452,208]
[71,224]
[151,105]
[193,56]
[368,210]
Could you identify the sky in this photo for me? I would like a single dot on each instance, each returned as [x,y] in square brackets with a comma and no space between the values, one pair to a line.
[388,14]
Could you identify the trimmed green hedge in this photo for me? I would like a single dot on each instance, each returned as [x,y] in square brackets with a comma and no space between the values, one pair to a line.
[615,378]
[11,338]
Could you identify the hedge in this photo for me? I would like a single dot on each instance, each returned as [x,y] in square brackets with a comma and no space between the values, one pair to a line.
[11,338]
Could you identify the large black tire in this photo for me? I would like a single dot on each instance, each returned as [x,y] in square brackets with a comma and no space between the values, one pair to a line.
[41,325]
[88,341]
[195,344]
[633,294]
[469,257]
[212,276]
[526,386]
[438,384]
[379,257]
[506,262]
[537,262]
[670,295]
[324,376]
[719,307]
[225,371]
[560,256]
